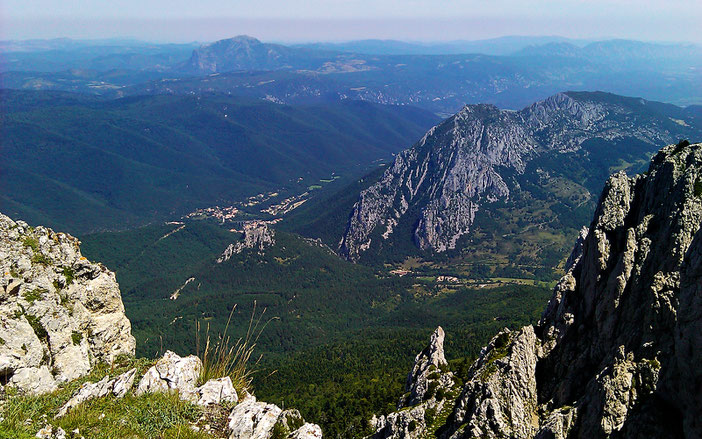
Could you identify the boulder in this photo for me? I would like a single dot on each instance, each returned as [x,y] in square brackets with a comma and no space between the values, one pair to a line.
[172,372]
[217,391]
[252,419]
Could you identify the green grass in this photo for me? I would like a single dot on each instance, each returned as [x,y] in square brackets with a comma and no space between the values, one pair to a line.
[154,415]
[76,337]
[41,258]
[31,242]
[69,274]
[33,295]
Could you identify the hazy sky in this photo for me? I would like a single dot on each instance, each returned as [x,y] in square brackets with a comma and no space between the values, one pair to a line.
[295,20]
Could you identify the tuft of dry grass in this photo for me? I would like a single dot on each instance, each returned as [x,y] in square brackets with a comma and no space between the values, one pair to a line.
[226,357]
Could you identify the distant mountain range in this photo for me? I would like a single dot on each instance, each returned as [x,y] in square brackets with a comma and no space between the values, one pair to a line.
[500,46]
[85,163]
[509,72]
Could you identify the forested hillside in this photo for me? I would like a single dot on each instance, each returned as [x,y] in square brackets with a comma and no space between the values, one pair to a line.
[83,163]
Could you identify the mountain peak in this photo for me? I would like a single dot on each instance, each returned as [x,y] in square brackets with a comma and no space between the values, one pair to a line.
[475,159]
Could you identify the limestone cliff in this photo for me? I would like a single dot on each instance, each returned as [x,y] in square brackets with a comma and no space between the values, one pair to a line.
[618,349]
[59,313]
[257,236]
[478,157]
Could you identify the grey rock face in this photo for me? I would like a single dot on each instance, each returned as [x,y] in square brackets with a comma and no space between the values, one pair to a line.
[430,391]
[307,431]
[501,397]
[217,392]
[59,313]
[459,166]
[257,236]
[252,419]
[173,372]
[429,360]
[617,351]
[118,386]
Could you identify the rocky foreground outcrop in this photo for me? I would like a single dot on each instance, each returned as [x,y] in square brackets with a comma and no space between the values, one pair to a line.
[248,419]
[618,350]
[59,313]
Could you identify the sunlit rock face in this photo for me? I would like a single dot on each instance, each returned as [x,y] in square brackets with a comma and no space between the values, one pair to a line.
[59,313]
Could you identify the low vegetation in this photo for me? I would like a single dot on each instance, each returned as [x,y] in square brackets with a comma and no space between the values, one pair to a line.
[225,357]
[150,416]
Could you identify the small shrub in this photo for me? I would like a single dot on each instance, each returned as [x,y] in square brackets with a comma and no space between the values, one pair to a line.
[412,425]
[280,431]
[69,274]
[34,295]
[37,327]
[41,258]
[31,242]
[698,186]
[431,390]
[76,337]
[680,146]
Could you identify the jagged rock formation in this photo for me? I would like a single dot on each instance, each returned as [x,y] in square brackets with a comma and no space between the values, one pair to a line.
[430,391]
[257,236]
[618,349]
[471,160]
[59,313]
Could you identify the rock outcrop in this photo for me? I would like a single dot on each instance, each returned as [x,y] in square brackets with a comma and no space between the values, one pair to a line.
[430,392]
[257,236]
[248,419]
[479,156]
[118,386]
[172,372]
[59,313]
[618,349]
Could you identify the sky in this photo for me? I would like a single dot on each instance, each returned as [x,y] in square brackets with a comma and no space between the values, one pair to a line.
[338,20]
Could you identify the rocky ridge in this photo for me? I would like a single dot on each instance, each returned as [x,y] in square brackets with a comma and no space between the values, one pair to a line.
[257,236]
[617,351]
[464,164]
[60,314]
[430,391]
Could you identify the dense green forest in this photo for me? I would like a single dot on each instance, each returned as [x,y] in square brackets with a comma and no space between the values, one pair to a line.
[80,163]
[340,337]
